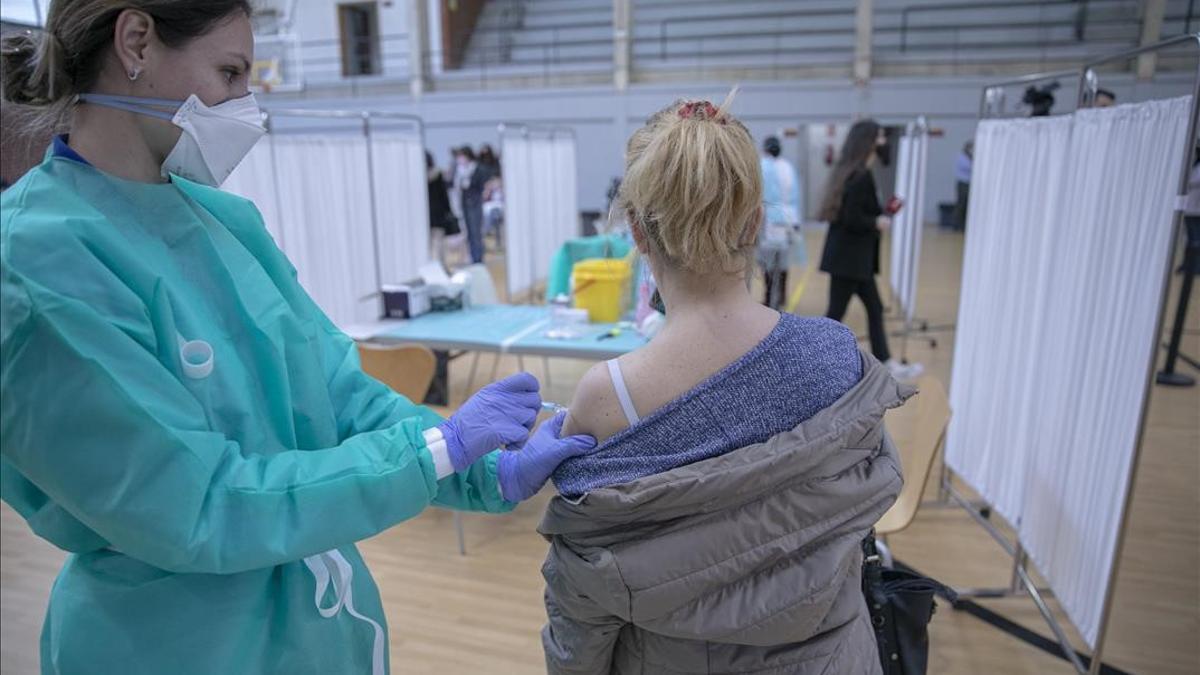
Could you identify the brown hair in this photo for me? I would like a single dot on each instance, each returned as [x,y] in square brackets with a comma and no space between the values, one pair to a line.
[47,70]
[693,183]
[858,146]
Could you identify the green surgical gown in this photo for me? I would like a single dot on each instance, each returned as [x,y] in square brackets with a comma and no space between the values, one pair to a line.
[189,500]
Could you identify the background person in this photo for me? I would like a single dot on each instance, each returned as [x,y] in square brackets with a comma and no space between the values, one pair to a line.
[178,413]
[493,191]
[856,220]
[452,179]
[489,161]
[781,242]
[442,221]
[962,184]
[471,177]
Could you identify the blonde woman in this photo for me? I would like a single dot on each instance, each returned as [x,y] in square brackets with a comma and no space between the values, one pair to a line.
[717,527]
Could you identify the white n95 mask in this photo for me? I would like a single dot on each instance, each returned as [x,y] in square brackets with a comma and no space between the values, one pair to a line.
[214,140]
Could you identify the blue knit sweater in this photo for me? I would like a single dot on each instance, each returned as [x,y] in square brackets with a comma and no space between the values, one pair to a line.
[801,367]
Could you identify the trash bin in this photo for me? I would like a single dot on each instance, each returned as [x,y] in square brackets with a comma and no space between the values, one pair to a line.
[600,287]
[946,216]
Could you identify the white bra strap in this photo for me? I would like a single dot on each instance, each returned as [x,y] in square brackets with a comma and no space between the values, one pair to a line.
[614,371]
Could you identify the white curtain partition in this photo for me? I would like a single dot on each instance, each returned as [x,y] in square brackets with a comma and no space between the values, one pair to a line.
[898,259]
[315,197]
[541,203]
[402,203]
[1070,225]
[907,224]
[1016,185]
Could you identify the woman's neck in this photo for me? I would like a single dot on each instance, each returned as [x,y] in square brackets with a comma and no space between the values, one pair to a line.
[705,299]
[110,140]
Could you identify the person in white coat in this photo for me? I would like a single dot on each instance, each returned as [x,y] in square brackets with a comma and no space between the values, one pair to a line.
[781,243]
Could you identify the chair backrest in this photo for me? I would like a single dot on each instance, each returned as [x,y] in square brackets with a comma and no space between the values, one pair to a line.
[407,369]
[917,457]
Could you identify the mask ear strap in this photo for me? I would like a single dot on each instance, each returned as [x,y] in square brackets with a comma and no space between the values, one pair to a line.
[133,104]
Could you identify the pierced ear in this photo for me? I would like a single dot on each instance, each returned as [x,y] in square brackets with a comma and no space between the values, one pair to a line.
[132,36]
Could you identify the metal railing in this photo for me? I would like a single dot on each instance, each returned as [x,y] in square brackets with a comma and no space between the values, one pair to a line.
[483,72]
[385,50]
[666,24]
[691,41]
[904,23]
[503,48]
[1079,22]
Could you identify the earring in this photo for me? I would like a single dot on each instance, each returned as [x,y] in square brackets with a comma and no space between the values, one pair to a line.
[135,74]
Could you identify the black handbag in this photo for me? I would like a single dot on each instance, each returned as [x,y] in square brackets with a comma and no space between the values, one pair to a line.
[901,604]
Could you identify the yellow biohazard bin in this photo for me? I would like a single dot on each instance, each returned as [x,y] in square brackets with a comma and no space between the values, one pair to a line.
[601,287]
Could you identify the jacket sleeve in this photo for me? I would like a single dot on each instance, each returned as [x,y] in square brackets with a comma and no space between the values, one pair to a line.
[860,203]
[580,635]
[96,422]
[578,645]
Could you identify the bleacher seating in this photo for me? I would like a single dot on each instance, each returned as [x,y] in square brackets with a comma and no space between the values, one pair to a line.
[914,37]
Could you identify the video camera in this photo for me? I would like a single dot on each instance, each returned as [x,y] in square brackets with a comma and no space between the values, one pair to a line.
[1040,99]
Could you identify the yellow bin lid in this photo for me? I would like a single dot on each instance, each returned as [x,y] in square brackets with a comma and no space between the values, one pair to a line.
[602,269]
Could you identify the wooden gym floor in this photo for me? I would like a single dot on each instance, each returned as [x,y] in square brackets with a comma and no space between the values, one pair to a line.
[482,613]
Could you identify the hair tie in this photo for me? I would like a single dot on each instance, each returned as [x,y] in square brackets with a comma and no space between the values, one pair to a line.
[700,110]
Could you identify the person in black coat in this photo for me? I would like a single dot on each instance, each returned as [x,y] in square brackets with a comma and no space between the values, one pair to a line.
[441,217]
[856,222]
[474,175]
[442,221]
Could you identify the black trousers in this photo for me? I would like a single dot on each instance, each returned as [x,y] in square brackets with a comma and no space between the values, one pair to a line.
[840,291]
[775,283]
[963,192]
[473,214]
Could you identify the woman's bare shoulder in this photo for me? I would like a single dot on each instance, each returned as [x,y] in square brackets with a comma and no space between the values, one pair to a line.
[594,410]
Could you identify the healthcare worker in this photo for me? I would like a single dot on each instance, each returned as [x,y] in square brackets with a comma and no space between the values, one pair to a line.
[175,411]
[781,242]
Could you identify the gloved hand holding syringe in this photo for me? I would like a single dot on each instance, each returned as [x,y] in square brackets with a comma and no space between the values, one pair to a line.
[523,471]
[553,408]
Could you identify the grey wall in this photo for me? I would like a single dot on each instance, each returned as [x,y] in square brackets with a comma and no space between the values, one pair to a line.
[603,118]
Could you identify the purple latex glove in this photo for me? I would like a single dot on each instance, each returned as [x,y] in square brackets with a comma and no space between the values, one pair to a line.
[523,472]
[501,413]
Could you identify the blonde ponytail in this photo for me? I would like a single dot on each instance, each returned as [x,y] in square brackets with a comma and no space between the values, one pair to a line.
[693,183]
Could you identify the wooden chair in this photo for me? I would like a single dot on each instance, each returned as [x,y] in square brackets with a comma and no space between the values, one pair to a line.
[916,460]
[408,369]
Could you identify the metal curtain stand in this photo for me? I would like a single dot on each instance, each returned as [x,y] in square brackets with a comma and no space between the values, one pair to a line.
[911,252]
[991,105]
[366,117]
[525,131]
[1191,262]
